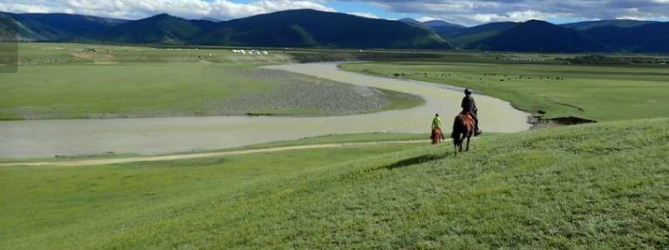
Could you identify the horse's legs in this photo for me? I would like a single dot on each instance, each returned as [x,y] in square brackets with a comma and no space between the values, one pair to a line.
[468,137]
[461,140]
[455,143]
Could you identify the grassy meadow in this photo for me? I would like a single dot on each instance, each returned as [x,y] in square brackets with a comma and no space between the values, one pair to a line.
[58,81]
[600,93]
[84,198]
[600,186]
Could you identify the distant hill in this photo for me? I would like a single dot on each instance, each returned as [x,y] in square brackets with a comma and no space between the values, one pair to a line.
[442,28]
[412,21]
[59,27]
[648,38]
[539,36]
[157,29]
[8,29]
[311,28]
[463,37]
[440,23]
[622,23]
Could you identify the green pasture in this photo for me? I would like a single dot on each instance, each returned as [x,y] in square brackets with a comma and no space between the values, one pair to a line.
[57,81]
[49,207]
[601,186]
[87,91]
[601,93]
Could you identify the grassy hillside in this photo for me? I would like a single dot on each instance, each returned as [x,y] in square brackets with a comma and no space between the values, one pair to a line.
[107,196]
[601,93]
[585,187]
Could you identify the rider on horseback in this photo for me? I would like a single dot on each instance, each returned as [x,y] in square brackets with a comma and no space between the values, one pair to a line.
[436,122]
[469,105]
[436,129]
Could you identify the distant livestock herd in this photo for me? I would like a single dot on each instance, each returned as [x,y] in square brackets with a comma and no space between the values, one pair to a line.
[250,52]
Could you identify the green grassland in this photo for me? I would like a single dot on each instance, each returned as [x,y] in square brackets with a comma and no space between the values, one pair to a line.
[80,199]
[86,91]
[601,93]
[602,186]
[72,81]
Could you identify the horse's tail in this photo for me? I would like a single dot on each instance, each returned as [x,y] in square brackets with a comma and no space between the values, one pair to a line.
[457,124]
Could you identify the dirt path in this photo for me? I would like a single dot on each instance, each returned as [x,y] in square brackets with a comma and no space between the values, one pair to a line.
[73,163]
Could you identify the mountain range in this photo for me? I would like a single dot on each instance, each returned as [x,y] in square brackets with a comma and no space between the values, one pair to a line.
[628,36]
[291,28]
[311,28]
[539,36]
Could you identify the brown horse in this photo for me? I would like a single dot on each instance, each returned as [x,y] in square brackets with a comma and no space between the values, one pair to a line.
[463,128]
[436,136]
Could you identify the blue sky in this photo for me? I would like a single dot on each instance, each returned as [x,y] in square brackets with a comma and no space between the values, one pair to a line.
[466,12]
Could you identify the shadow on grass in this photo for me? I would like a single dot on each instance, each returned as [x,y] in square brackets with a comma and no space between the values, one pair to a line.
[415,160]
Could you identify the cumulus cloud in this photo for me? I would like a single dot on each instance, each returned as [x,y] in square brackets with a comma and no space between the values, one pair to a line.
[480,11]
[135,9]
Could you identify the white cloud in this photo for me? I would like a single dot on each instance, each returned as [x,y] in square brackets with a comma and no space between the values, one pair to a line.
[471,12]
[135,9]
[363,14]
[519,16]
[427,19]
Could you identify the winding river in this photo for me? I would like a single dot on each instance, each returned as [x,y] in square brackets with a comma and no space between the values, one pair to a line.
[47,138]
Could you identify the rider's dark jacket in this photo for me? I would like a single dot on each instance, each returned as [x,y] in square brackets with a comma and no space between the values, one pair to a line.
[468,104]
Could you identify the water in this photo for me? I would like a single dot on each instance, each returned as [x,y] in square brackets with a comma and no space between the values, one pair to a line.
[47,138]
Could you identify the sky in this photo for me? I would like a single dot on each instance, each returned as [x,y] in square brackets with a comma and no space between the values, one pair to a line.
[465,12]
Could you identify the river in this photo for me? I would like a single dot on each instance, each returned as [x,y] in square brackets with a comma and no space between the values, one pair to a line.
[47,138]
